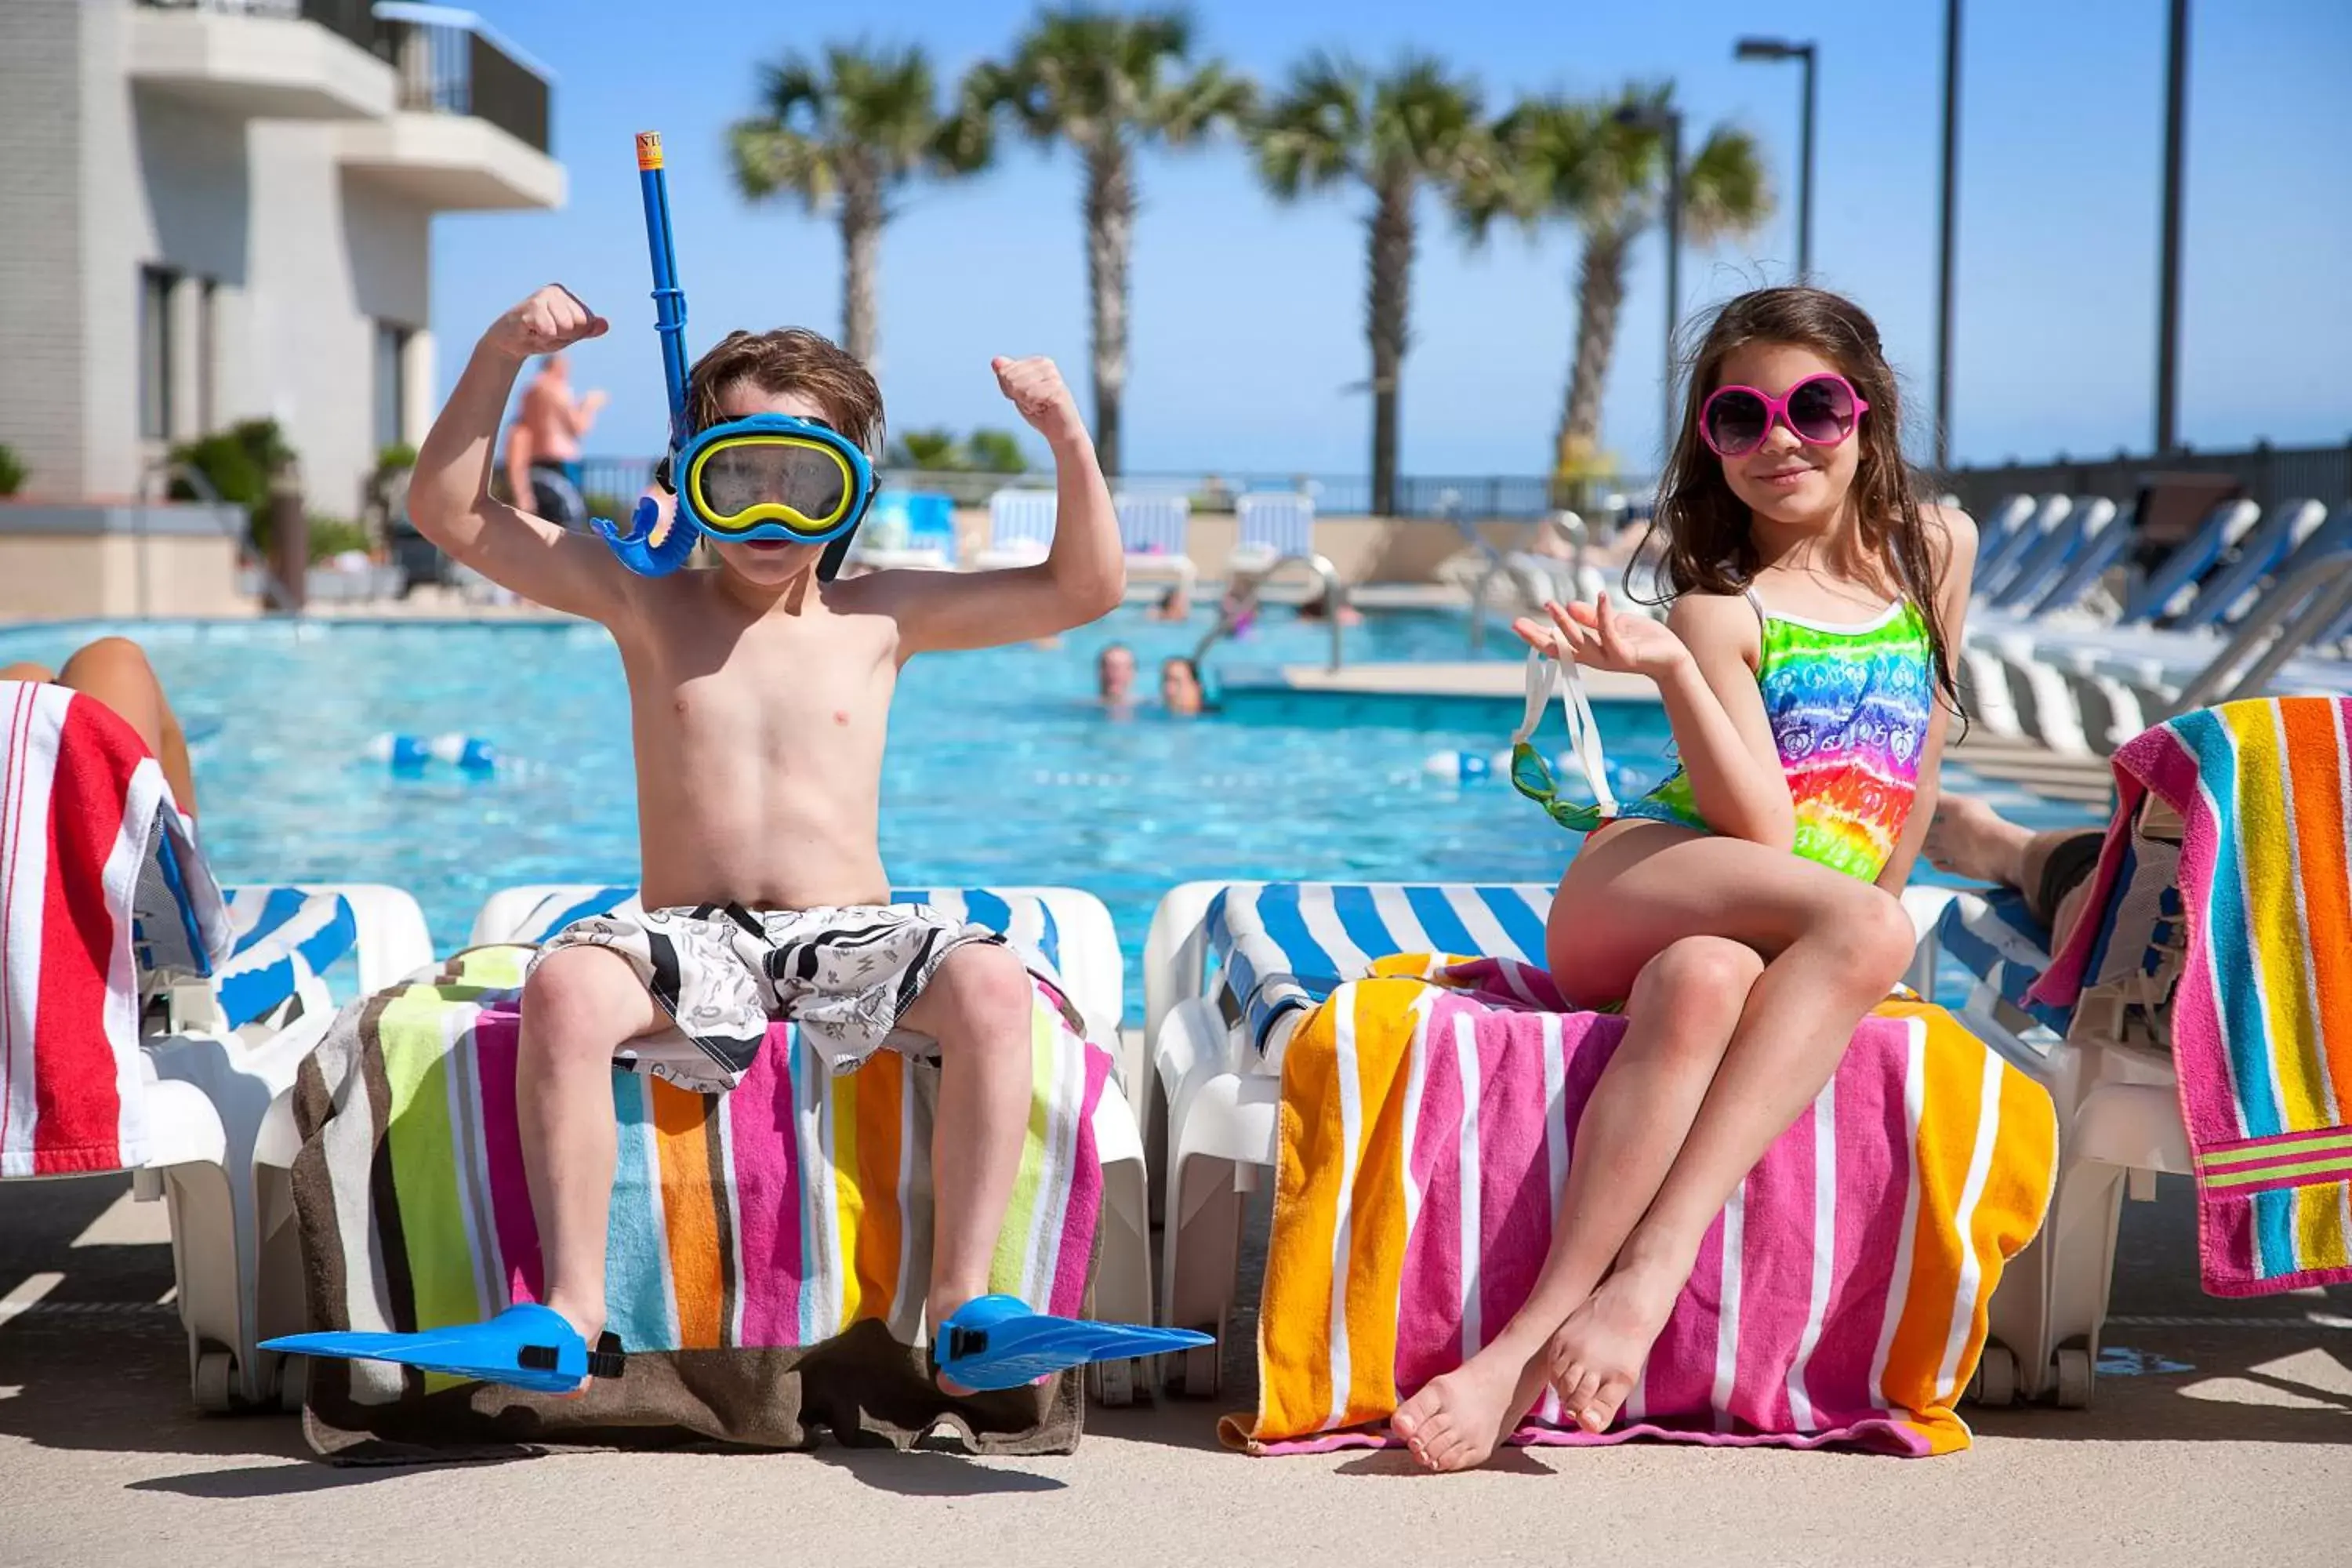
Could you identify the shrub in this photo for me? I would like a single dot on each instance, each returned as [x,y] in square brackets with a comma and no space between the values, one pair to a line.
[331,536]
[12,470]
[939,452]
[237,462]
[393,458]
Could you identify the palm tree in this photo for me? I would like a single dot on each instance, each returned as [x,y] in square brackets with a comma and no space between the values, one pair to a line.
[845,129]
[1108,84]
[1394,133]
[1580,161]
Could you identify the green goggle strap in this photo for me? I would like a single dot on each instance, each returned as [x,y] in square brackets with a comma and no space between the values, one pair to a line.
[1544,677]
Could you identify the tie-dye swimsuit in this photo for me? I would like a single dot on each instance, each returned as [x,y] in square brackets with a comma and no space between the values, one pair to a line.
[1849,706]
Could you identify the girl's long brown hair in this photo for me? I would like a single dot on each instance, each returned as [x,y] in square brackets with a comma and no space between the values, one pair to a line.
[1700,534]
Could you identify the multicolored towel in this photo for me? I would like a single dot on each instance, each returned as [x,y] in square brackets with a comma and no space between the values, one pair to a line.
[2261,1017]
[102,892]
[769,1249]
[1428,1116]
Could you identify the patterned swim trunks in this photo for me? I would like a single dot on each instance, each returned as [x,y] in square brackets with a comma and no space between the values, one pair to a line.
[723,973]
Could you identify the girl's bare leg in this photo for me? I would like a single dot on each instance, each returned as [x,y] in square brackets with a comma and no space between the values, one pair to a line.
[115,671]
[1828,948]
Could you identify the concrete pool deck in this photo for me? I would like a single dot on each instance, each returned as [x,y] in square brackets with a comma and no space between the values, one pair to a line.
[2232,1443]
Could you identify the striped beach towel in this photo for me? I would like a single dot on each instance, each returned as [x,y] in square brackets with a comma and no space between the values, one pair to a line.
[2261,1017]
[102,894]
[769,1249]
[1428,1116]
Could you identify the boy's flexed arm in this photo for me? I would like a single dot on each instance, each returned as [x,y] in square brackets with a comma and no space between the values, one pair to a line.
[1083,576]
[450,493]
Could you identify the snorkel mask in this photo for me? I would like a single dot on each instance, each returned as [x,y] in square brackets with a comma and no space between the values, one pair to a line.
[767,477]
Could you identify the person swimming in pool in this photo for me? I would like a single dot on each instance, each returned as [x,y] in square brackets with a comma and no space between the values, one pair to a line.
[1115,676]
[1180,689]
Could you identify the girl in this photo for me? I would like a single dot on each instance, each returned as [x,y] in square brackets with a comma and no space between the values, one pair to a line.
[1744,911]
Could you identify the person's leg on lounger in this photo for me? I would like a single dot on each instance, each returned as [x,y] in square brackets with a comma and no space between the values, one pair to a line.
[2053,868]
[115,671]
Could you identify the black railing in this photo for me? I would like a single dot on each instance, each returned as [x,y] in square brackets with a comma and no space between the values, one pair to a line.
[449,65]
[350,19]
[2265,475]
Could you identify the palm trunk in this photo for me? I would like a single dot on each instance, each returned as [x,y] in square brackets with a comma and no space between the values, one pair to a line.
[861,258]
[1391,266]
[1600,296]
[1110,238]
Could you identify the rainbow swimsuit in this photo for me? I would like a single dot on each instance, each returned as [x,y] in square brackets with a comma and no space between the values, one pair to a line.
[1850,705]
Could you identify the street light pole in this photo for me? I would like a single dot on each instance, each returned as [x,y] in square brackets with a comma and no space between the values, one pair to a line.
[1777,49]
[2167,289]
[1944,251]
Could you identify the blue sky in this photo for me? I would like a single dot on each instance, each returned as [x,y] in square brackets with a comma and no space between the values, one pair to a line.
[1247,315]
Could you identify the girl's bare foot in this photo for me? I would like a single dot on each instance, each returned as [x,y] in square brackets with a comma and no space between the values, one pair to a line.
[1457,1421]
[1597,1356]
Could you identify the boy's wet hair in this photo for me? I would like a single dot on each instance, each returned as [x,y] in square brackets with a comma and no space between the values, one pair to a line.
[1700,532]
[789,360]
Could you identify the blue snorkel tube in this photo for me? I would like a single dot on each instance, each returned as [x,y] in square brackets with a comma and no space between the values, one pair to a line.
[637,549]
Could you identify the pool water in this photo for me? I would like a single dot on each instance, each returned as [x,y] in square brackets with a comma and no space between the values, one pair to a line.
[1001,768]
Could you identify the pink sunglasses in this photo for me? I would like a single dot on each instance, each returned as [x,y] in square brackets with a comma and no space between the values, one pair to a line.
[1821,411]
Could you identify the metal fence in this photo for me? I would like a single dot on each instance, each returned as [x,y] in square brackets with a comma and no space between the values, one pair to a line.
[2263,474]
[617,481]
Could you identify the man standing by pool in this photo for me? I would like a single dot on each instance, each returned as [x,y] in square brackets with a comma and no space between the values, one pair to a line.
[543,445]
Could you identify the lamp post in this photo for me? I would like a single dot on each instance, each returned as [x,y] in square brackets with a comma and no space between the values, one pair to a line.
[2167,289]
[1776,49]
[1944,242]
[1668,123]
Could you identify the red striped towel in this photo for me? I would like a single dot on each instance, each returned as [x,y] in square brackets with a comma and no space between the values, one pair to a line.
[83,810]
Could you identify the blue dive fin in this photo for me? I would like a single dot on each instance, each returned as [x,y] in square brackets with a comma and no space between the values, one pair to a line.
[528,1346]
[635,549]
[997,1342]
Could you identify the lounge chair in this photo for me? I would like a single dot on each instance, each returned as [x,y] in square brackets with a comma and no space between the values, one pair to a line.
[2102,1037]
[1072,932]
[155,1025]
[1154,529]
[2038,568]
[1997,526]
[1995,564]
[1274,526]
[1020,528]
[906,531]
[2069,616]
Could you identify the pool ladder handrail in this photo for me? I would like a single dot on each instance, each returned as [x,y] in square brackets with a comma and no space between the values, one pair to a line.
[1316,562]
[1503,564]
[274,593]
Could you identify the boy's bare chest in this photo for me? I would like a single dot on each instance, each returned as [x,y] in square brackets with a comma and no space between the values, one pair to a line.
[769,692]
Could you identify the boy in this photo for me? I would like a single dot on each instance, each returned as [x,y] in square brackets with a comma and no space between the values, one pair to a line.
[760,701]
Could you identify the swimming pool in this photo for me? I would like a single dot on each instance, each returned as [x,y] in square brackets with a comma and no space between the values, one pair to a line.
[1001,768]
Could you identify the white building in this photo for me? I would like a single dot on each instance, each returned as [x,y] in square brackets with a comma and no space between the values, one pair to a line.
[213,210]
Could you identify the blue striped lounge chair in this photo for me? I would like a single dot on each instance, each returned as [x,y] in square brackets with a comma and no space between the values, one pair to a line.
[220,994]
[1066,933]
[1995,564]
[2029,577]
[1229,971]
[1154,530]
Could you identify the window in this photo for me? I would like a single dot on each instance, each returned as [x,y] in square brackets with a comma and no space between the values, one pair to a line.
[391,384]
[155,285]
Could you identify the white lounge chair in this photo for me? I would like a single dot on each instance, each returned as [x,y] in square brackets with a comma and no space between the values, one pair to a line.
[1274,526]
[1072,933]
[1154,530]
[2107,1066]
[1020,528]
[214,997]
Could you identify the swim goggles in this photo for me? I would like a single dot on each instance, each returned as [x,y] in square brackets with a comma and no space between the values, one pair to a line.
[1821,411]
[1531,775]
[772,476]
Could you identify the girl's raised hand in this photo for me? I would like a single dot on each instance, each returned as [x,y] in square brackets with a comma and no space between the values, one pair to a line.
[1605,638]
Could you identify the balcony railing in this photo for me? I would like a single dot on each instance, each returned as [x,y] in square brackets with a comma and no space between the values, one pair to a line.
[450,62]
